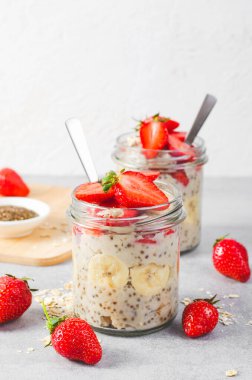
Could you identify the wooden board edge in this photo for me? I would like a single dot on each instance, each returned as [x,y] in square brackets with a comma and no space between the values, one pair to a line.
[42,262]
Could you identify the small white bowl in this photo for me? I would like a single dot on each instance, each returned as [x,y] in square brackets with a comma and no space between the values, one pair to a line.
[20,228]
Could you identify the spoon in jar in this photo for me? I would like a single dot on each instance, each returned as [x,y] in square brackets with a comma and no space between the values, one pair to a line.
[80,144]
[205,109]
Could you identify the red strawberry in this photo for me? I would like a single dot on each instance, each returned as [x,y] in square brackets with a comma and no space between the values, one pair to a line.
[11,184]
[147,239]
[231,259]
[170,231]
[154,136]
[152,175]
[15,297]
[74,339]
[169,123]
[180,135]
[181,148]
[92,193]
[200,317]
[181,177]
[133,189]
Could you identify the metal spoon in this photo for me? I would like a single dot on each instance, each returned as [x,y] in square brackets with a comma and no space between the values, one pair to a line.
[205,109]
[79,141]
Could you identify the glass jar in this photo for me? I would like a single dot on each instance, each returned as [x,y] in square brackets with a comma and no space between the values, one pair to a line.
[184,169]
[126,264]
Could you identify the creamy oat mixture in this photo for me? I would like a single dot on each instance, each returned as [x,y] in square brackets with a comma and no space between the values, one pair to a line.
[126,280]
[191,227]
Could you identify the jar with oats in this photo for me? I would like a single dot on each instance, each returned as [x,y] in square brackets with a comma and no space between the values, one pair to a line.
[126,264]
[182,167]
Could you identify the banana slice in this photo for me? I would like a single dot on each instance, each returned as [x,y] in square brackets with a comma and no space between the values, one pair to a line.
[107,271]
[150,279]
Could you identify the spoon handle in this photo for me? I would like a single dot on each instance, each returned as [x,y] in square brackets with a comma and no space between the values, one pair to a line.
[79,141]
[205,109]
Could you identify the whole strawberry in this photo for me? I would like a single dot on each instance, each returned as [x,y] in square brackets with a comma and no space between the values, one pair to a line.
[231,259]
[11,184]
[74,339]
[15,297]
[200,317]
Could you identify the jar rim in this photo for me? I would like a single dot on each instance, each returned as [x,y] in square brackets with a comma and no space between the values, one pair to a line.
[162,159]
[172,211]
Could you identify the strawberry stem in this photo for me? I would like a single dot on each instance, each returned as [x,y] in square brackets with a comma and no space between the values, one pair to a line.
[220,239]
[111,178]
[25,279]
[51,322]
[212,300]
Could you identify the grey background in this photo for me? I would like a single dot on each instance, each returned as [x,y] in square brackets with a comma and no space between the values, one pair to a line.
[168,354]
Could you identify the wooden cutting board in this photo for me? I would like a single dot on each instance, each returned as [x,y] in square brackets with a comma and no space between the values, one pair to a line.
[50,243]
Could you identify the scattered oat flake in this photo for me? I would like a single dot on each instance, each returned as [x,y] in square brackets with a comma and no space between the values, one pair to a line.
[186,301]
[59,301]
[68,285]
[226,318]
[46,340]
[30,349]
[249,323]
[19,351]
[231,373]
[232,296]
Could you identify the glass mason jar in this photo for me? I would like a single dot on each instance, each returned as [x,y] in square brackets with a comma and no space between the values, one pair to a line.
[175,167]
[126,264]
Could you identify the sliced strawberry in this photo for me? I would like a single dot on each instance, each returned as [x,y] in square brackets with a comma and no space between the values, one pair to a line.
[93,231]
[180,135]
[11,184]
[147,239]
[110,203]
[169,232]
[77,230]
[169,123]
[93,193]
[152,175]
[180,147]
[134,190]
[129,214]
[154,136]
[181,177]
[198,168]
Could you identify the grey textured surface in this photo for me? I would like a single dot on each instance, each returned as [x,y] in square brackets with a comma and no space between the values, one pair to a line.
[167,354]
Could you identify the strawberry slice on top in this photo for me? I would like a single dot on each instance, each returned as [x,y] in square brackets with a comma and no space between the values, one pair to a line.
[93,193]
[154,136]
[152,175]
[154,133]
[179,135]
[133,189]
[181,148]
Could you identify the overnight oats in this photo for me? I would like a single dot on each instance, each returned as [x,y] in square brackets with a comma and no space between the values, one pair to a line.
[126,253]
[157,147]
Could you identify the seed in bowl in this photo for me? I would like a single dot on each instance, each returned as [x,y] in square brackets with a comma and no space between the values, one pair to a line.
[11,213]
